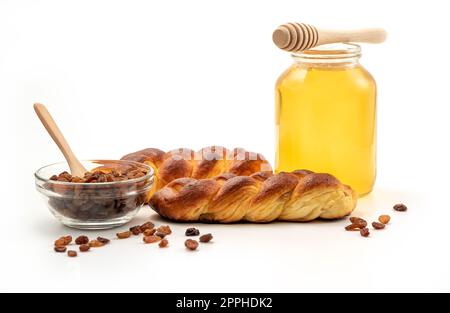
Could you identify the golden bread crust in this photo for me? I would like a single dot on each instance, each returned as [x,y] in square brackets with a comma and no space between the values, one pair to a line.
[208,162]
[298,196]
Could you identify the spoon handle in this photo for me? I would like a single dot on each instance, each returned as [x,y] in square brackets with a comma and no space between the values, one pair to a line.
[76,168]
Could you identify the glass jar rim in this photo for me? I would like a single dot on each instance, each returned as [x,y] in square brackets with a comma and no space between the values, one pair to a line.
[330,52]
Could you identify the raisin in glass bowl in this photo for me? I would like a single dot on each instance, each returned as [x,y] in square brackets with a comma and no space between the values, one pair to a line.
[109,195]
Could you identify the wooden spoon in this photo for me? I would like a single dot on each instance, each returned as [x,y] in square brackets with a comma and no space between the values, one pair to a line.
[76,168]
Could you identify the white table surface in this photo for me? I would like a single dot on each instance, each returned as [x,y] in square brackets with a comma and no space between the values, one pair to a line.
[411,254]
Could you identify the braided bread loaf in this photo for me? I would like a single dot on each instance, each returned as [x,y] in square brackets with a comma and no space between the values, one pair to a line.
[261,197]
[205,163]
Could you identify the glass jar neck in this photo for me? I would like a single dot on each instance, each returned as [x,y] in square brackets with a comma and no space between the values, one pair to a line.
[333,55]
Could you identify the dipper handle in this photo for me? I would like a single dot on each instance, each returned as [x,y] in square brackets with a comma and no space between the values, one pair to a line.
[295,37]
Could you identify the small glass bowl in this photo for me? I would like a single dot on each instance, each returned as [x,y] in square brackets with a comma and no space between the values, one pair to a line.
[94,205]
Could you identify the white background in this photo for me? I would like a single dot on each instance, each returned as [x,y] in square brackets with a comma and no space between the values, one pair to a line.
[120,76]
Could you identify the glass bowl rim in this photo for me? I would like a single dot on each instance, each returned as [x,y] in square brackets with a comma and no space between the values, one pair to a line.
[149,174]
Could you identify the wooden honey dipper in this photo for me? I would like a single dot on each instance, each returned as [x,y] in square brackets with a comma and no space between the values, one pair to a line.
[295,37]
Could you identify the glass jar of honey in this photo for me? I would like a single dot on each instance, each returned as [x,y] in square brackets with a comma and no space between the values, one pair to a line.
[326,116]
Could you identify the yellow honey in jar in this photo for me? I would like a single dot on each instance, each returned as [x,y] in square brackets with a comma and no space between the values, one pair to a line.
[326,116]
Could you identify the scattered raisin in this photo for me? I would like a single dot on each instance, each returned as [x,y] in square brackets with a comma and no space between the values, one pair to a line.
[67,240]
[63,241]
[151,239]
[206,238]
[163,243]
[191,244]
[148,225]
[60,242]
[82,240]
[72,253]
[85,248]
[135,230]
[385,219]
[364,232]
[104,241]
[164,229]
[60,249]
[377,225]
[400,207]
[161,235]
[124,235]
[352,227]
[95,244]
[358,221]
[149,232]
[192,232]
